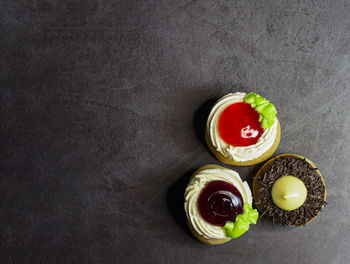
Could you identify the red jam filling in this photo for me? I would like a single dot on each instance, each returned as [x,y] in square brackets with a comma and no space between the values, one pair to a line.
[239,125]
[220,202]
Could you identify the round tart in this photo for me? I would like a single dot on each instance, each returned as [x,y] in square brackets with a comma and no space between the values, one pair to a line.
[289,190]
[218,205]
[242,129]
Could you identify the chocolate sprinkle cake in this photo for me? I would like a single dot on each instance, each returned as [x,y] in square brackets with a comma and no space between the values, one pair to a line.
[300,168]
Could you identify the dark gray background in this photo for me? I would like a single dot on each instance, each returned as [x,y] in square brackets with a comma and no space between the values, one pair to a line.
[103,106]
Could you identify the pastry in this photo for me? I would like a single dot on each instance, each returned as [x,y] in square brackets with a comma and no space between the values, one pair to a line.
[218,205]
[242,129]
[289,190]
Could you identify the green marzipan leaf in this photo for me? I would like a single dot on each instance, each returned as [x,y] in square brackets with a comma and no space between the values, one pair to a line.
[267,111]
[241,224]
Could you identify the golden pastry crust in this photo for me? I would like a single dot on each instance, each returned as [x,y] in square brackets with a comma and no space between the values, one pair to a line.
[194,232]
[262,158]
[256,181]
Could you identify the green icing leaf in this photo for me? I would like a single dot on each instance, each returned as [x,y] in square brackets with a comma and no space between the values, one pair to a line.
[250,214]
[241,224]
[250,99]
[260,101]
[267,111]
[265,123]
[228,227]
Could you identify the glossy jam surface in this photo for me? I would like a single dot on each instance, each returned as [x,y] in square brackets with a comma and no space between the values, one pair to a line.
[220,202]
[239,125]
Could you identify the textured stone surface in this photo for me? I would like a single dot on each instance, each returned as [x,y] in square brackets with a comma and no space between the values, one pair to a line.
[102,110]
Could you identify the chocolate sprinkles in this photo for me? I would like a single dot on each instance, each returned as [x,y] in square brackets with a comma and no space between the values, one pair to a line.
[300,168]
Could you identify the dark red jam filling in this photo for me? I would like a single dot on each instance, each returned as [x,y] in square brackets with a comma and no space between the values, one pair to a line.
[239,125]
[220,202]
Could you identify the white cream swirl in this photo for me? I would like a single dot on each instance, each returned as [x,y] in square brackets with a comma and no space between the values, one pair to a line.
[193,190]
[251,152]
